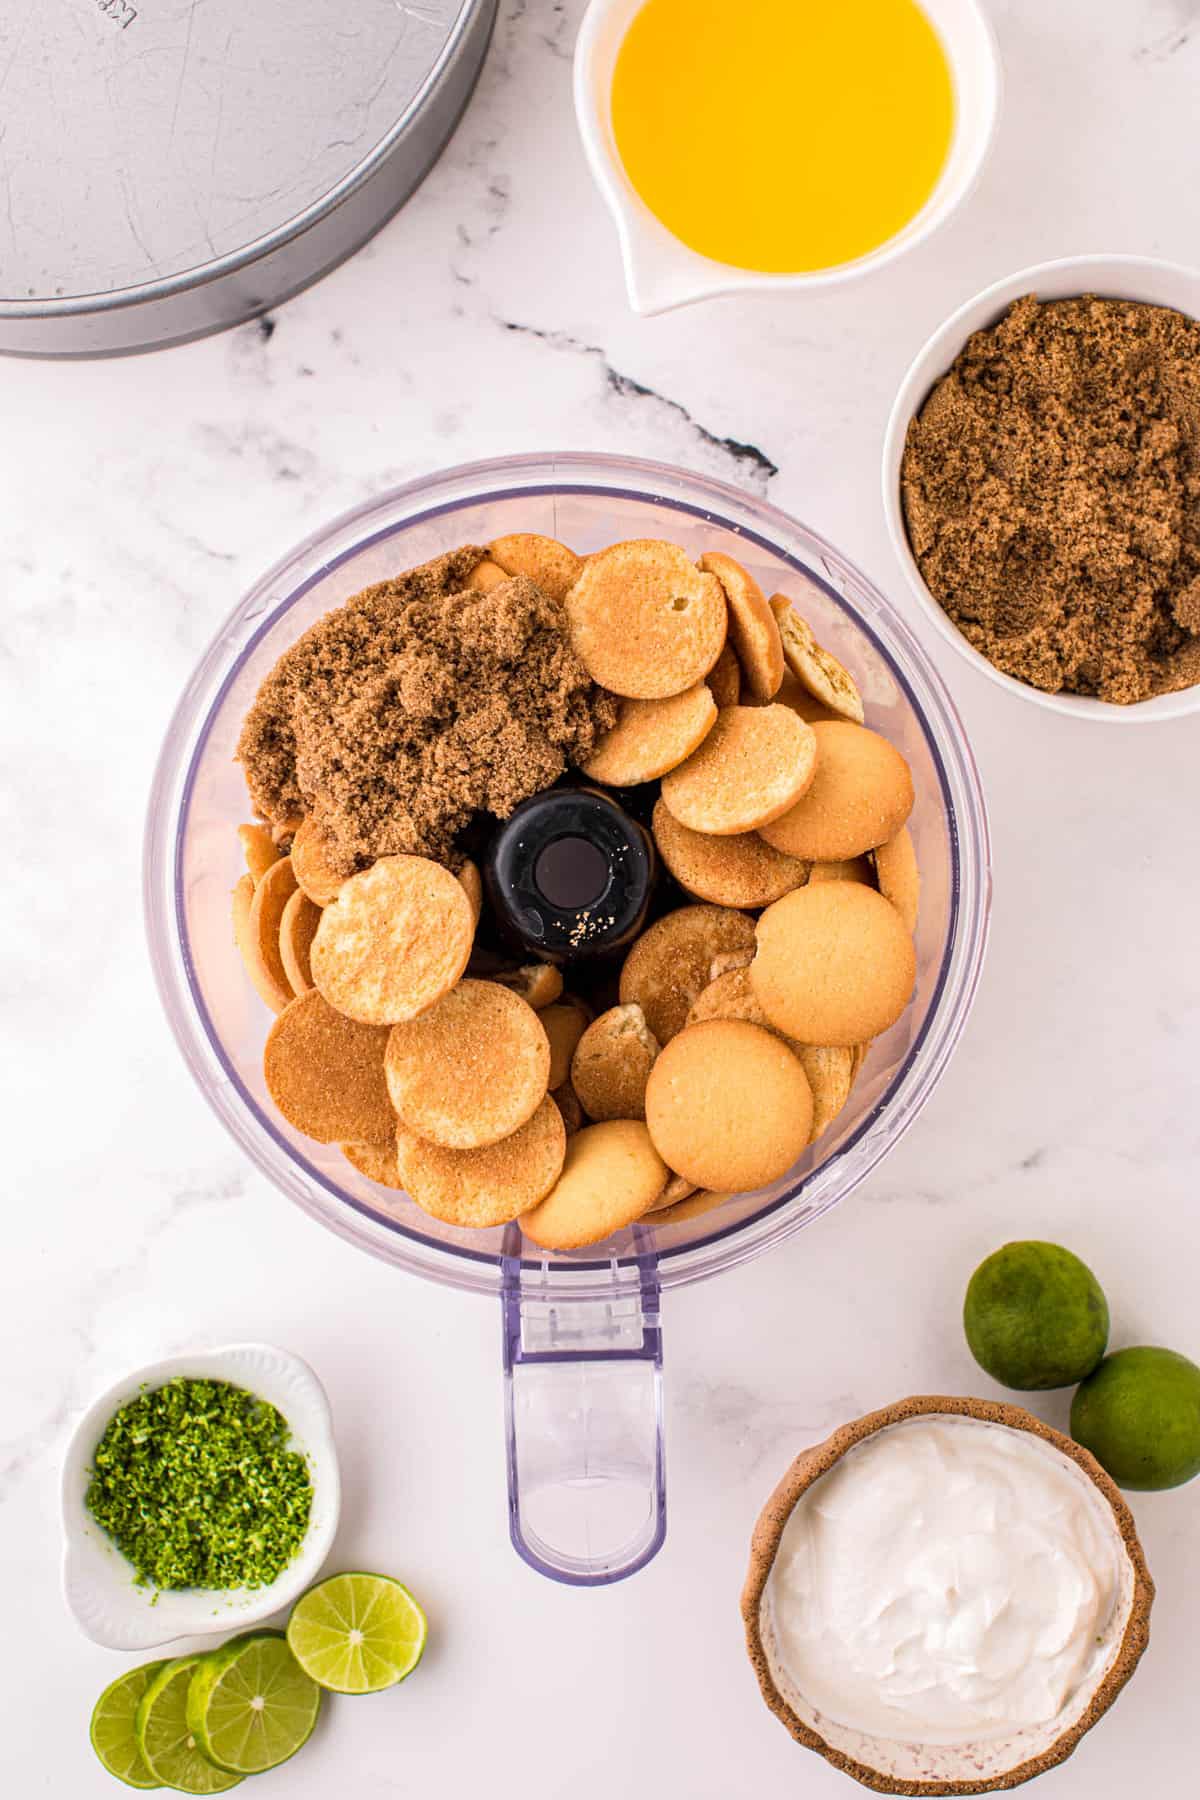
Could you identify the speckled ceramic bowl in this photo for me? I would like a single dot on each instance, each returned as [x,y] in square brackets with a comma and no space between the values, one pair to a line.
[98,1583]
[893,1767]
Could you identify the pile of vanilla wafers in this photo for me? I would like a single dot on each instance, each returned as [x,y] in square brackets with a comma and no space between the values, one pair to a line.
[740,1019]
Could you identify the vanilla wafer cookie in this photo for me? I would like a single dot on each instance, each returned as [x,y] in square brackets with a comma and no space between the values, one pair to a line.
[260,940]
[297,929]
[564,1024]
[742,870]
[393,941]
[611,1175]
[651,737]
[471,883]
[471,1068]
[544,560]
[259,848]
[728,1105]
[378,1162]
[612,1063]
[670,963]
[325,1073]
[814,667]
[752,625]
[834,964]
[311,860]
[860,795]
[898,876]
[725,678]
[490,1185]
[645,621]
[538,984]
[755,763]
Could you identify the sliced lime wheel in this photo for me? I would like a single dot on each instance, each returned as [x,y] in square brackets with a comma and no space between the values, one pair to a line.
[250,1705]
[113,1730]
[168,1747]
[357,1634]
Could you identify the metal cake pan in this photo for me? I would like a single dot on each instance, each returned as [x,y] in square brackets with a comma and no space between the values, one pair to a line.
[173,167]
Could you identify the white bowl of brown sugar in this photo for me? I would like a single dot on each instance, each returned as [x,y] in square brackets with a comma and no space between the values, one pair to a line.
[1041,485]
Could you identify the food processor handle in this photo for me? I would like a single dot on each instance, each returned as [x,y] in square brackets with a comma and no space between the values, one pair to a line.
[583,1417]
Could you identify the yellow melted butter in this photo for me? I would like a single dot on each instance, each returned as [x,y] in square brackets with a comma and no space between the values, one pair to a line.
[783,135]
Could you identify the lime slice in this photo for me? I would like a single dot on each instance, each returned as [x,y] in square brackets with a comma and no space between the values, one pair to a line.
[169,1749]
[250,1705]
[113,1736]
[357,1633]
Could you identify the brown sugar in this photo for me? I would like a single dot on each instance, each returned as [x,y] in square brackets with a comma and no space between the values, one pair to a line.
[396,718]
[1051,489]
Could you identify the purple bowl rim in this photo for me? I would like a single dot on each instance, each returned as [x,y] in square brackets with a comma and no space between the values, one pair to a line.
[664,1252]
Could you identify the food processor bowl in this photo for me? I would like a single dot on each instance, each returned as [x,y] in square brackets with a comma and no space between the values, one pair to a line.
[582,1329]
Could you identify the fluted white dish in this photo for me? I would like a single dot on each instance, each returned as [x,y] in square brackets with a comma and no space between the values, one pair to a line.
[98,1582]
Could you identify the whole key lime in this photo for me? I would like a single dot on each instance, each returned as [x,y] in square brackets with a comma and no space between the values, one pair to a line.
[1139,1415]
[1035,1316]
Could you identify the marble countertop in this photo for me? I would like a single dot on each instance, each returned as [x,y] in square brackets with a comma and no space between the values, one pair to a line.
[139,498]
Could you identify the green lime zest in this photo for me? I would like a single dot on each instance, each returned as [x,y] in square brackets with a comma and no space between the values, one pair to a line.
[195,1484]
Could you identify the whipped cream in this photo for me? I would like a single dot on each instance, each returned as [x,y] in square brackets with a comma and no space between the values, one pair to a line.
[948,1580]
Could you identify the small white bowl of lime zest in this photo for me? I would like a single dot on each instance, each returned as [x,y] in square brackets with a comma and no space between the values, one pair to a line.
[661,272]
[100,1585]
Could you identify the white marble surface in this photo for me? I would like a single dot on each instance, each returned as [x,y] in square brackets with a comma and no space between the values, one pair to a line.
[137,499]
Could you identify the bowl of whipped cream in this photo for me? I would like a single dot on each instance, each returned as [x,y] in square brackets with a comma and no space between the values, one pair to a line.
[944,1597]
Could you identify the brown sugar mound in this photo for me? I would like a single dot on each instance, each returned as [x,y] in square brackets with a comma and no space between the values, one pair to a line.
[1051,488]
[417,704]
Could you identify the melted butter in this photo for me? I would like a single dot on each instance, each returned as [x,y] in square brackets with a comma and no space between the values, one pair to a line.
[783,135]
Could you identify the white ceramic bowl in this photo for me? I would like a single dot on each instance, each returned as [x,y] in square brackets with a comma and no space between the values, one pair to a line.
[97,1580]
[1111,277]
[662,273]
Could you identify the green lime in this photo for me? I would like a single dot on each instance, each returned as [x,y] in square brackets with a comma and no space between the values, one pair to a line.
[357,1633]
[169,1748]
[113,1736]
[250,1705]
[1035,1316]
[1139,1415]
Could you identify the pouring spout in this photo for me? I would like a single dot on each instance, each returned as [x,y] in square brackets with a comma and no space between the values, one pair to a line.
[661,273]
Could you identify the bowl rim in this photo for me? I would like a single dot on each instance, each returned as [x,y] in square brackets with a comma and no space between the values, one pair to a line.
[663,485]
[136,1631]
[931,362]
[816,1461]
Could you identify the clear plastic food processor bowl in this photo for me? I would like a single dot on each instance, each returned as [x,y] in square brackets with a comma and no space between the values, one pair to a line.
[581,1331]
